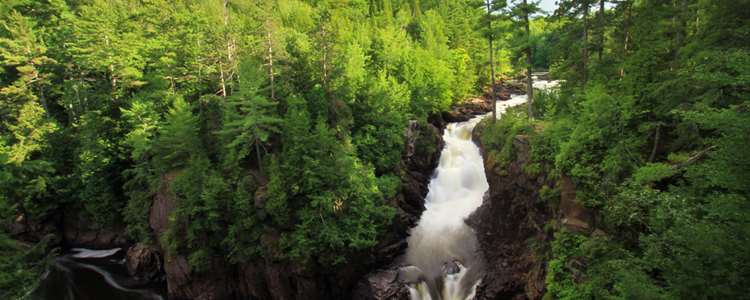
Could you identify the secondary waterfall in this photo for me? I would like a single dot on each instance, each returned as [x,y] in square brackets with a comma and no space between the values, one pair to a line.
[443,250]
[87,274]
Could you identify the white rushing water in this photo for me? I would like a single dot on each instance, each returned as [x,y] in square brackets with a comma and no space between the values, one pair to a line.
[88,253]
[443,250]
[442,246]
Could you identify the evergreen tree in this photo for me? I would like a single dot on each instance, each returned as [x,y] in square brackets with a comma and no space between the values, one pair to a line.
[523,11]
[178,140]
[493,9]
[248,116]
[26,127]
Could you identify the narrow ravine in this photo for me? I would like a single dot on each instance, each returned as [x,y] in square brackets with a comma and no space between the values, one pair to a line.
[443,250]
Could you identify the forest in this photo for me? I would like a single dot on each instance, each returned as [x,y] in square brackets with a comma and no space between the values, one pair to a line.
[286,118]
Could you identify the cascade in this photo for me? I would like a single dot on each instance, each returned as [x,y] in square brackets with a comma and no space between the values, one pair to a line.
[443,249]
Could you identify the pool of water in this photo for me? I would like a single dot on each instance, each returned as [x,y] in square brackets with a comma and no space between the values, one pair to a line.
[84,274]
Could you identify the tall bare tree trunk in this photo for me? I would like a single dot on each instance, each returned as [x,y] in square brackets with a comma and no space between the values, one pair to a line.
[227,74]
[657,134]
[324,62]
[257,154]
[111,67]
[529,62]
[226,27]
[492,60]
[601,29]
[223,91]
[585,57]
[626,41]
[270,63]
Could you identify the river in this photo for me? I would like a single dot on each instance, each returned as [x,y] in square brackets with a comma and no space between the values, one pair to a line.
[84,274]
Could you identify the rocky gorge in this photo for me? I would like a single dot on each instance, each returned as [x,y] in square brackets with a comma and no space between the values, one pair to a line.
[509,225]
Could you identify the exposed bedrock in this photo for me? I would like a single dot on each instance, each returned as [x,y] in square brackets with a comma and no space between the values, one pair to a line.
[511,224]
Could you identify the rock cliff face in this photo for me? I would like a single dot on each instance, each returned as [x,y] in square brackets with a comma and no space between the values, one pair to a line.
[510,225]
[68,230]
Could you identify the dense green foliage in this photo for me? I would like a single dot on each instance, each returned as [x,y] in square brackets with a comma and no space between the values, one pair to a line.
[284,118]
[19,263]
[652,125]
[498,137]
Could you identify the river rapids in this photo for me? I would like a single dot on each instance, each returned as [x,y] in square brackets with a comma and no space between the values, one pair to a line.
[444,262]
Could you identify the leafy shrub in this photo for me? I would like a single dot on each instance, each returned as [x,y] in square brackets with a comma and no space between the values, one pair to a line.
[497,137]
[21,266]
[652,172]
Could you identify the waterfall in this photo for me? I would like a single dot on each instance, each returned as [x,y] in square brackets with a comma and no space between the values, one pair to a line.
[88,253]
[443,250]
[442,246]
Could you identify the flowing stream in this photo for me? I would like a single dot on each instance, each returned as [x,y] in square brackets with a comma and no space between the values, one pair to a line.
[87,274]
[443,255]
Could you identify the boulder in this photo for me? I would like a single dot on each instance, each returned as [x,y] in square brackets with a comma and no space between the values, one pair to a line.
[144,262]
[382,285]
[451,267]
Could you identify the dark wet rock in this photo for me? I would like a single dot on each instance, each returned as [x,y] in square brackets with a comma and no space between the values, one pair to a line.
[34,231]
[184,284]
[573,216]
[511,215]
[541,76]
[69,230]
[423,144]
[422,150]
[144,262]
[77,232]
[480,105]
[505,89]
[411,274]
[164,203]
[382,285]
[451,267]
[468,109]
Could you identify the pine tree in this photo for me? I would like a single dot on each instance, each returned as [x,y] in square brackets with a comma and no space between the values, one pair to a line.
[493,9]
[26,126]
[578,10]
[178,137]
[523,11]
[249,117]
